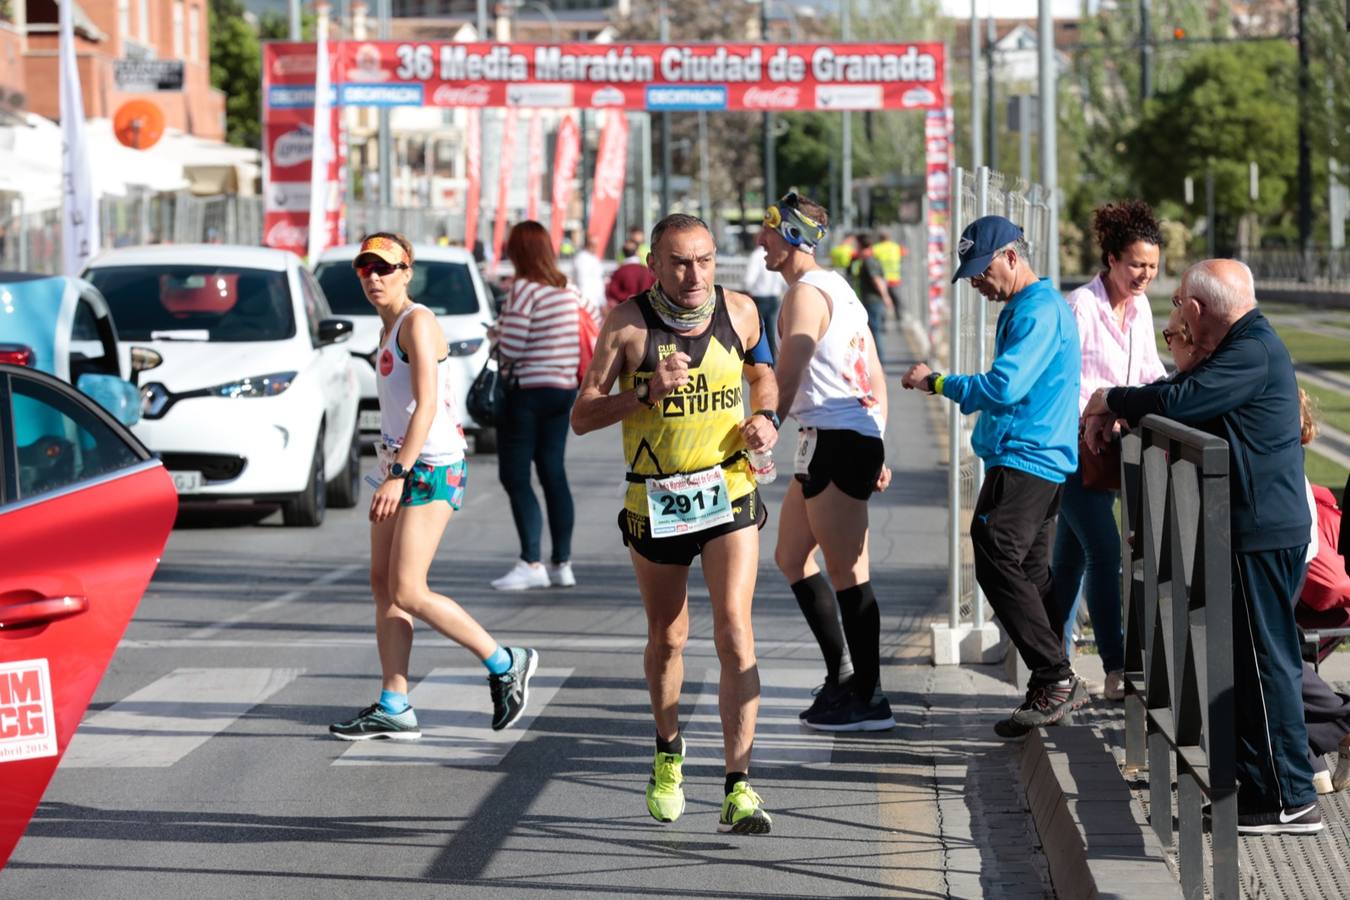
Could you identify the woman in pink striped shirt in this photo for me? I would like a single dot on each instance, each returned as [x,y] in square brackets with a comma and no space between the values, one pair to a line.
[539,345]
[1115,333]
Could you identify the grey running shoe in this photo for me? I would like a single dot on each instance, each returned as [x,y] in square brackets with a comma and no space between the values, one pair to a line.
[374,723]
[1045,705]
[511,689]
[1307,820]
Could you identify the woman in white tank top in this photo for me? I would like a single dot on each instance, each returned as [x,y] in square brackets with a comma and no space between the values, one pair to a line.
[422,476]
[830,380]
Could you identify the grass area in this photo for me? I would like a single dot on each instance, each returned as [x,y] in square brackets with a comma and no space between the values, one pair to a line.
[1323,351]
[1320,470]
[1333,407]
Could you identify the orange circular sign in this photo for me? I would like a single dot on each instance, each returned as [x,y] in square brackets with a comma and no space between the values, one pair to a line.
[139,124]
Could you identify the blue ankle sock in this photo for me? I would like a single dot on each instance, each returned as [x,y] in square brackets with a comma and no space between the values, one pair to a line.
[393,702]
[499,661]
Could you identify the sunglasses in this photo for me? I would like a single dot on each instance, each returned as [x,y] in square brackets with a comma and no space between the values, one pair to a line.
[380,268]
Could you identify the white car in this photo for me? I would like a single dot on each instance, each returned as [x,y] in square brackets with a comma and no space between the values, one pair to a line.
[253,396]
[446,280]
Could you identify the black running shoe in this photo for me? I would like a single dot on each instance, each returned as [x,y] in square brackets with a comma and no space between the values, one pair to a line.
[852,713]
[373,723]
[1044,705]
[1305,820]
[511,689]
[825,695]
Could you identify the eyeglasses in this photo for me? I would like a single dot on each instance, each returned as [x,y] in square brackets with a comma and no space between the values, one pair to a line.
[381,268]
[1168,334]
[1178,299]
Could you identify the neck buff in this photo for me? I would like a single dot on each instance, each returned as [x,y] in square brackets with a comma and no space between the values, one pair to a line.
[680,318]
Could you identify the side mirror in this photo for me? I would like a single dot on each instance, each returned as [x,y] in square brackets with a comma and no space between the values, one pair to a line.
[333,331]
[114,394]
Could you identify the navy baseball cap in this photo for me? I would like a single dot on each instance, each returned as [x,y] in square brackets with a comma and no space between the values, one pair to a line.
[980,241]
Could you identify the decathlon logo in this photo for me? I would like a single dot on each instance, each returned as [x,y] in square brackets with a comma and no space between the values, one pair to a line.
[661,97]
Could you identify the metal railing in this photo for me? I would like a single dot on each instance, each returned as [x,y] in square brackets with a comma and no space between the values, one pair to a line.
[1179,704]
[969,349]
[1327,268]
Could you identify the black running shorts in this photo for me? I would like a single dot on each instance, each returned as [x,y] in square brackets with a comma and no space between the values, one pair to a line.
[680,549]
[849,460]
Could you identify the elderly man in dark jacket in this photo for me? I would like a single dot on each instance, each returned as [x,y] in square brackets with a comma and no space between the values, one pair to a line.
[1245,392]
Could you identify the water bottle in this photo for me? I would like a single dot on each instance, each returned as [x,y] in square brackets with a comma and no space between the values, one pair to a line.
[761,463]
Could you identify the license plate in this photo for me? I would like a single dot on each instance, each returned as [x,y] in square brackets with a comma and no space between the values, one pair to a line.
[369,420]
[187,482]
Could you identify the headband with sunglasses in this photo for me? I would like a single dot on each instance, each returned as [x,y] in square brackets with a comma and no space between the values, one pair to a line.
[797,228]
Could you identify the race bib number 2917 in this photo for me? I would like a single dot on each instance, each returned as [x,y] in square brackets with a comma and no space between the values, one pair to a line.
[680,504]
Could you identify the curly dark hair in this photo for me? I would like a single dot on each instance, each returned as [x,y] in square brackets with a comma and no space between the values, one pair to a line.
[1118,225]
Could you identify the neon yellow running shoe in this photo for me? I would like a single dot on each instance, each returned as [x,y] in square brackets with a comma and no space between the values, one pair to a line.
[743,812]
[665,797]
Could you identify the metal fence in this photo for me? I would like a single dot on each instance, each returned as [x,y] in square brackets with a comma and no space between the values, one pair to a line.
[968,348]
[1326,268]
[1179,703]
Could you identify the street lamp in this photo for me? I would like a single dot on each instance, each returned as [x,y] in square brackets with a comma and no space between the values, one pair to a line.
[770,161]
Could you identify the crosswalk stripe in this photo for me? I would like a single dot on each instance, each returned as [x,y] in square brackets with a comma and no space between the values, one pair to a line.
[454,709]
[780,738]
[167,719]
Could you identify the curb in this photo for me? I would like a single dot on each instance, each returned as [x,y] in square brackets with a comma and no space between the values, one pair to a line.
[1095,836]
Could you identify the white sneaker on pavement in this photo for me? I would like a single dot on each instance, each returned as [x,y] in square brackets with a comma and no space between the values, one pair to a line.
[1115,685]
[522,578]
[561,575]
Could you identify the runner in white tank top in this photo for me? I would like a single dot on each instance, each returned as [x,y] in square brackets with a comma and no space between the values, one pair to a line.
[423,475]
[830,380]
[445,442]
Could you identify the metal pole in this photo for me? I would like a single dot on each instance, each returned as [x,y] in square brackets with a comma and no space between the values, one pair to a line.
[846,151]
[1024,138]
[667,156]
[704,200]
[386,141]
[1145,49]
[976,123]
[991,89]
[482,20]
[1049,123]
[295,19]
[954,427]
[770,161]
[1210,230]
[1305,214]
[981,363]
[585,179]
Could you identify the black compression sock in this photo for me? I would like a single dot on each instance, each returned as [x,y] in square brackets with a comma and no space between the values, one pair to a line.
[675,746]
[862,625]
[732,779]
[817,604]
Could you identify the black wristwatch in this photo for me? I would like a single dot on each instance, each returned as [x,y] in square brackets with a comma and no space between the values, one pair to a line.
[771,416]
[930,383]
[397,471]
[642,390]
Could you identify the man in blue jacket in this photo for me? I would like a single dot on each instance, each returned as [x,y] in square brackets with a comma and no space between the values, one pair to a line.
[1245,392]
[1027,435]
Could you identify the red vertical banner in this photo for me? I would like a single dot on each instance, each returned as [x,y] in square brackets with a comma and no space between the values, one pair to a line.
[565,158]
[473,139]
[937,141]
[535,174]
[508,150]
[611,162]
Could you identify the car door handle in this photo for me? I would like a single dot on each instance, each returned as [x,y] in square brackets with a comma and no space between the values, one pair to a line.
[42,611]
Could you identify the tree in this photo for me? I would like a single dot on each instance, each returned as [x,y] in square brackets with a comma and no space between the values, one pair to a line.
[1232,104]
[236,69]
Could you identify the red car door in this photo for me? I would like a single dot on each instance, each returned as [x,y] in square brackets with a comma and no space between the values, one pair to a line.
[85,511]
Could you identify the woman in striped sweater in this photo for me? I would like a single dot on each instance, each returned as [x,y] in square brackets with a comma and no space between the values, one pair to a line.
[539,345]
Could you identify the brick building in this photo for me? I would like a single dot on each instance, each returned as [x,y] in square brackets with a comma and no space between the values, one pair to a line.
[107,31]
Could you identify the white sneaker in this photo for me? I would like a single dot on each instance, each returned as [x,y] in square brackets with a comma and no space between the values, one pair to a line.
[1322,782]
[522,578]
[1115,685]
[561,575]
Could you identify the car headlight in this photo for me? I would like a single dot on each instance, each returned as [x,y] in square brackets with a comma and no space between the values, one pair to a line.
[255,386]
[465,348]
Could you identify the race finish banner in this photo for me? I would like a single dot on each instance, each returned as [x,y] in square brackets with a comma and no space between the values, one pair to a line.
[647,76]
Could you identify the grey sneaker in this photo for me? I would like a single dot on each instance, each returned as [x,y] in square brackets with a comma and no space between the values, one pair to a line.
[511,689]
[374,723]
[1045,705]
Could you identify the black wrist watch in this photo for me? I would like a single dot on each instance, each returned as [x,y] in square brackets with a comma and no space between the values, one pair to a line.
[771,416]
[643,392]
[930,383]
[397,471]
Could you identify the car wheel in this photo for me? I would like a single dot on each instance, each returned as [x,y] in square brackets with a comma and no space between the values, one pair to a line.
[485,440]
[306,508]
[345,490]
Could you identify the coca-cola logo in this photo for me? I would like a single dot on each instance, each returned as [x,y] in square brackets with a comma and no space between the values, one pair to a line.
[293,148]
[469,95]
[293,64]
[285,235]
[781,97]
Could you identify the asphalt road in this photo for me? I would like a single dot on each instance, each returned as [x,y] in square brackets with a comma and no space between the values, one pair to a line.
[204,769]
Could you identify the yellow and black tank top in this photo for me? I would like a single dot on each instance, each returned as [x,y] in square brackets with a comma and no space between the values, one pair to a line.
[698,425]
